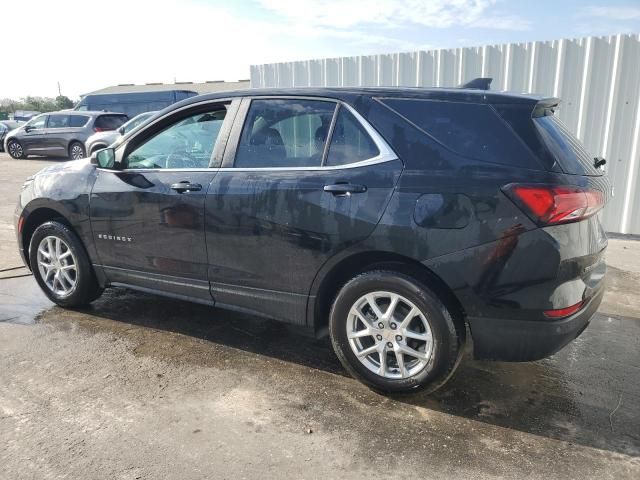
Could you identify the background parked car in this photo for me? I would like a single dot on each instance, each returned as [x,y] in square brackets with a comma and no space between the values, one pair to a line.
[103,139]
[5,127]
[60,133]
[132,103]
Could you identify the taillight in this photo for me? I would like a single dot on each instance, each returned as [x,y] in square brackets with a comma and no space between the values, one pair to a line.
[553,204]
[99,129]
[564,312]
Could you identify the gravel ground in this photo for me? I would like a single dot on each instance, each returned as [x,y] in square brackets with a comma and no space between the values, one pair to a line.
[138,386]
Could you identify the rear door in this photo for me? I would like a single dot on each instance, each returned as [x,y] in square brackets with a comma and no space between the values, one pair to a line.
[303,179]
[147,216]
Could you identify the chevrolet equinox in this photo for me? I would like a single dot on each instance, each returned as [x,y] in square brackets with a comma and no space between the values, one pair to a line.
[393,220]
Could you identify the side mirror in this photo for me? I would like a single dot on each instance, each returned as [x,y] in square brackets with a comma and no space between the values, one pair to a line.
[121,130]
[28,128]
[105,158]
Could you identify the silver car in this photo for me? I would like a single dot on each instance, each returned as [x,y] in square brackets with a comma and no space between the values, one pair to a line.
[101,140]
[60,133]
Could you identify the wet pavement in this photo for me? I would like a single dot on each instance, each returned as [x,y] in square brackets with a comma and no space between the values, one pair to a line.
[138,386]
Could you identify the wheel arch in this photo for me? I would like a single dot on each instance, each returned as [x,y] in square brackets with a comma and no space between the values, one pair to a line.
[34,219]
[75,140]
[328,283]
[95,148]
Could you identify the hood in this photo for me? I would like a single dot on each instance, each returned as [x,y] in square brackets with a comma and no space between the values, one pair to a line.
[71,165]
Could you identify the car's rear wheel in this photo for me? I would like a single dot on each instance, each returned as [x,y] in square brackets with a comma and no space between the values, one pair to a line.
[14,147]
[76,151]
[61,265]
[392,333]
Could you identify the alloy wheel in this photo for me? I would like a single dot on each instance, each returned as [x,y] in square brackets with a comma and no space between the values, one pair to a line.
[77,152]
[57,266]
[15,149]
[390,335]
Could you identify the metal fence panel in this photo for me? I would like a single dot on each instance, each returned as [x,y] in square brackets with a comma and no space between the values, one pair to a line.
[597,78]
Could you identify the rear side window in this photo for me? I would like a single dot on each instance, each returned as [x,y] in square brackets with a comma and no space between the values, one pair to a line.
[350,142]
[469,129]
[565,147]
[78,121]
[284,133]
[109,122]
[58,121]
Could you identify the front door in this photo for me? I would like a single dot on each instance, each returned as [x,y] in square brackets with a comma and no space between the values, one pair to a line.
[307,180]
[148,216]
[33,139]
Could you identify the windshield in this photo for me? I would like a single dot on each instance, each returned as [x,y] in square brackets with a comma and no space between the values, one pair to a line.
[135,121]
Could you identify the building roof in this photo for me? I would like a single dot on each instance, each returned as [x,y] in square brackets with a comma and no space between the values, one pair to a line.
[199,88]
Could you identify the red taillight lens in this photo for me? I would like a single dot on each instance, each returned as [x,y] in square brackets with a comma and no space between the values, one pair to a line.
[552,204]
[563,312]
[98,129]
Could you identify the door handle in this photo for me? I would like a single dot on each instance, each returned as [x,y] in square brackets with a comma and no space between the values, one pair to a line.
[185,186]
[344,188]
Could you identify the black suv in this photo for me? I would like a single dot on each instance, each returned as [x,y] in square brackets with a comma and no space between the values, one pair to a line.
[389,219]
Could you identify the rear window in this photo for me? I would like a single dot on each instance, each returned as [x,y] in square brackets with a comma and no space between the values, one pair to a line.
[110,122]
[468,129]
[350,142]
[565,147]
[78,121]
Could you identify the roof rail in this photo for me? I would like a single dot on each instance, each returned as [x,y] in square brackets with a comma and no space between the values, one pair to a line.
[480,83]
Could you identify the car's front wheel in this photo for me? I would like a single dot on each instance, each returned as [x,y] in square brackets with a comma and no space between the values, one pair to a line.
[392,333]
[14,147]
[76,151]
[61,266]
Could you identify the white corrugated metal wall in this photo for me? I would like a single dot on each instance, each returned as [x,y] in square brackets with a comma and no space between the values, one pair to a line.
[598,79]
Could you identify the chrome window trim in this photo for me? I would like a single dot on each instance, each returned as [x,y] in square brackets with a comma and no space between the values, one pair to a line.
[386,154]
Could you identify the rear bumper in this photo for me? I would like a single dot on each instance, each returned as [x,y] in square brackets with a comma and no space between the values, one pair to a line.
[528,340]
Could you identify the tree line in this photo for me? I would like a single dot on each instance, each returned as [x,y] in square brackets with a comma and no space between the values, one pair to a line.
[38,104]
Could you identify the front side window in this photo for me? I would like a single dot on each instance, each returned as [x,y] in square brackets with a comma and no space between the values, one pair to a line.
[284,133]
[189,143]
[58,121]
[38,122]
[350,142]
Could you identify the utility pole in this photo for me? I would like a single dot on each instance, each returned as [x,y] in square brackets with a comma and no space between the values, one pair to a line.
[59,91]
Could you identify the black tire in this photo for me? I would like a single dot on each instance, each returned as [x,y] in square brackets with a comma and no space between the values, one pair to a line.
[76,151]
[86,287]
[448,337]
[14,148]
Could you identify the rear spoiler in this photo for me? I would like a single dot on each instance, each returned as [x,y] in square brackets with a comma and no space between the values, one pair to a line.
[545,107]
[480,83]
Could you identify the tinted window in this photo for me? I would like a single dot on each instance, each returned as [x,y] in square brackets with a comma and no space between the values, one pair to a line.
[109,122]
[469,129]
[58,121]
[78,121]
[565,147]
[284,133]
[350,141]
[188,143]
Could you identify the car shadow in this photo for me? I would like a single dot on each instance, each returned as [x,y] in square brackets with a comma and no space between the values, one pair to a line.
[570,397]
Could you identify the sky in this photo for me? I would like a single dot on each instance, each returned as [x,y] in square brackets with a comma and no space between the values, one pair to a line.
[88,44]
